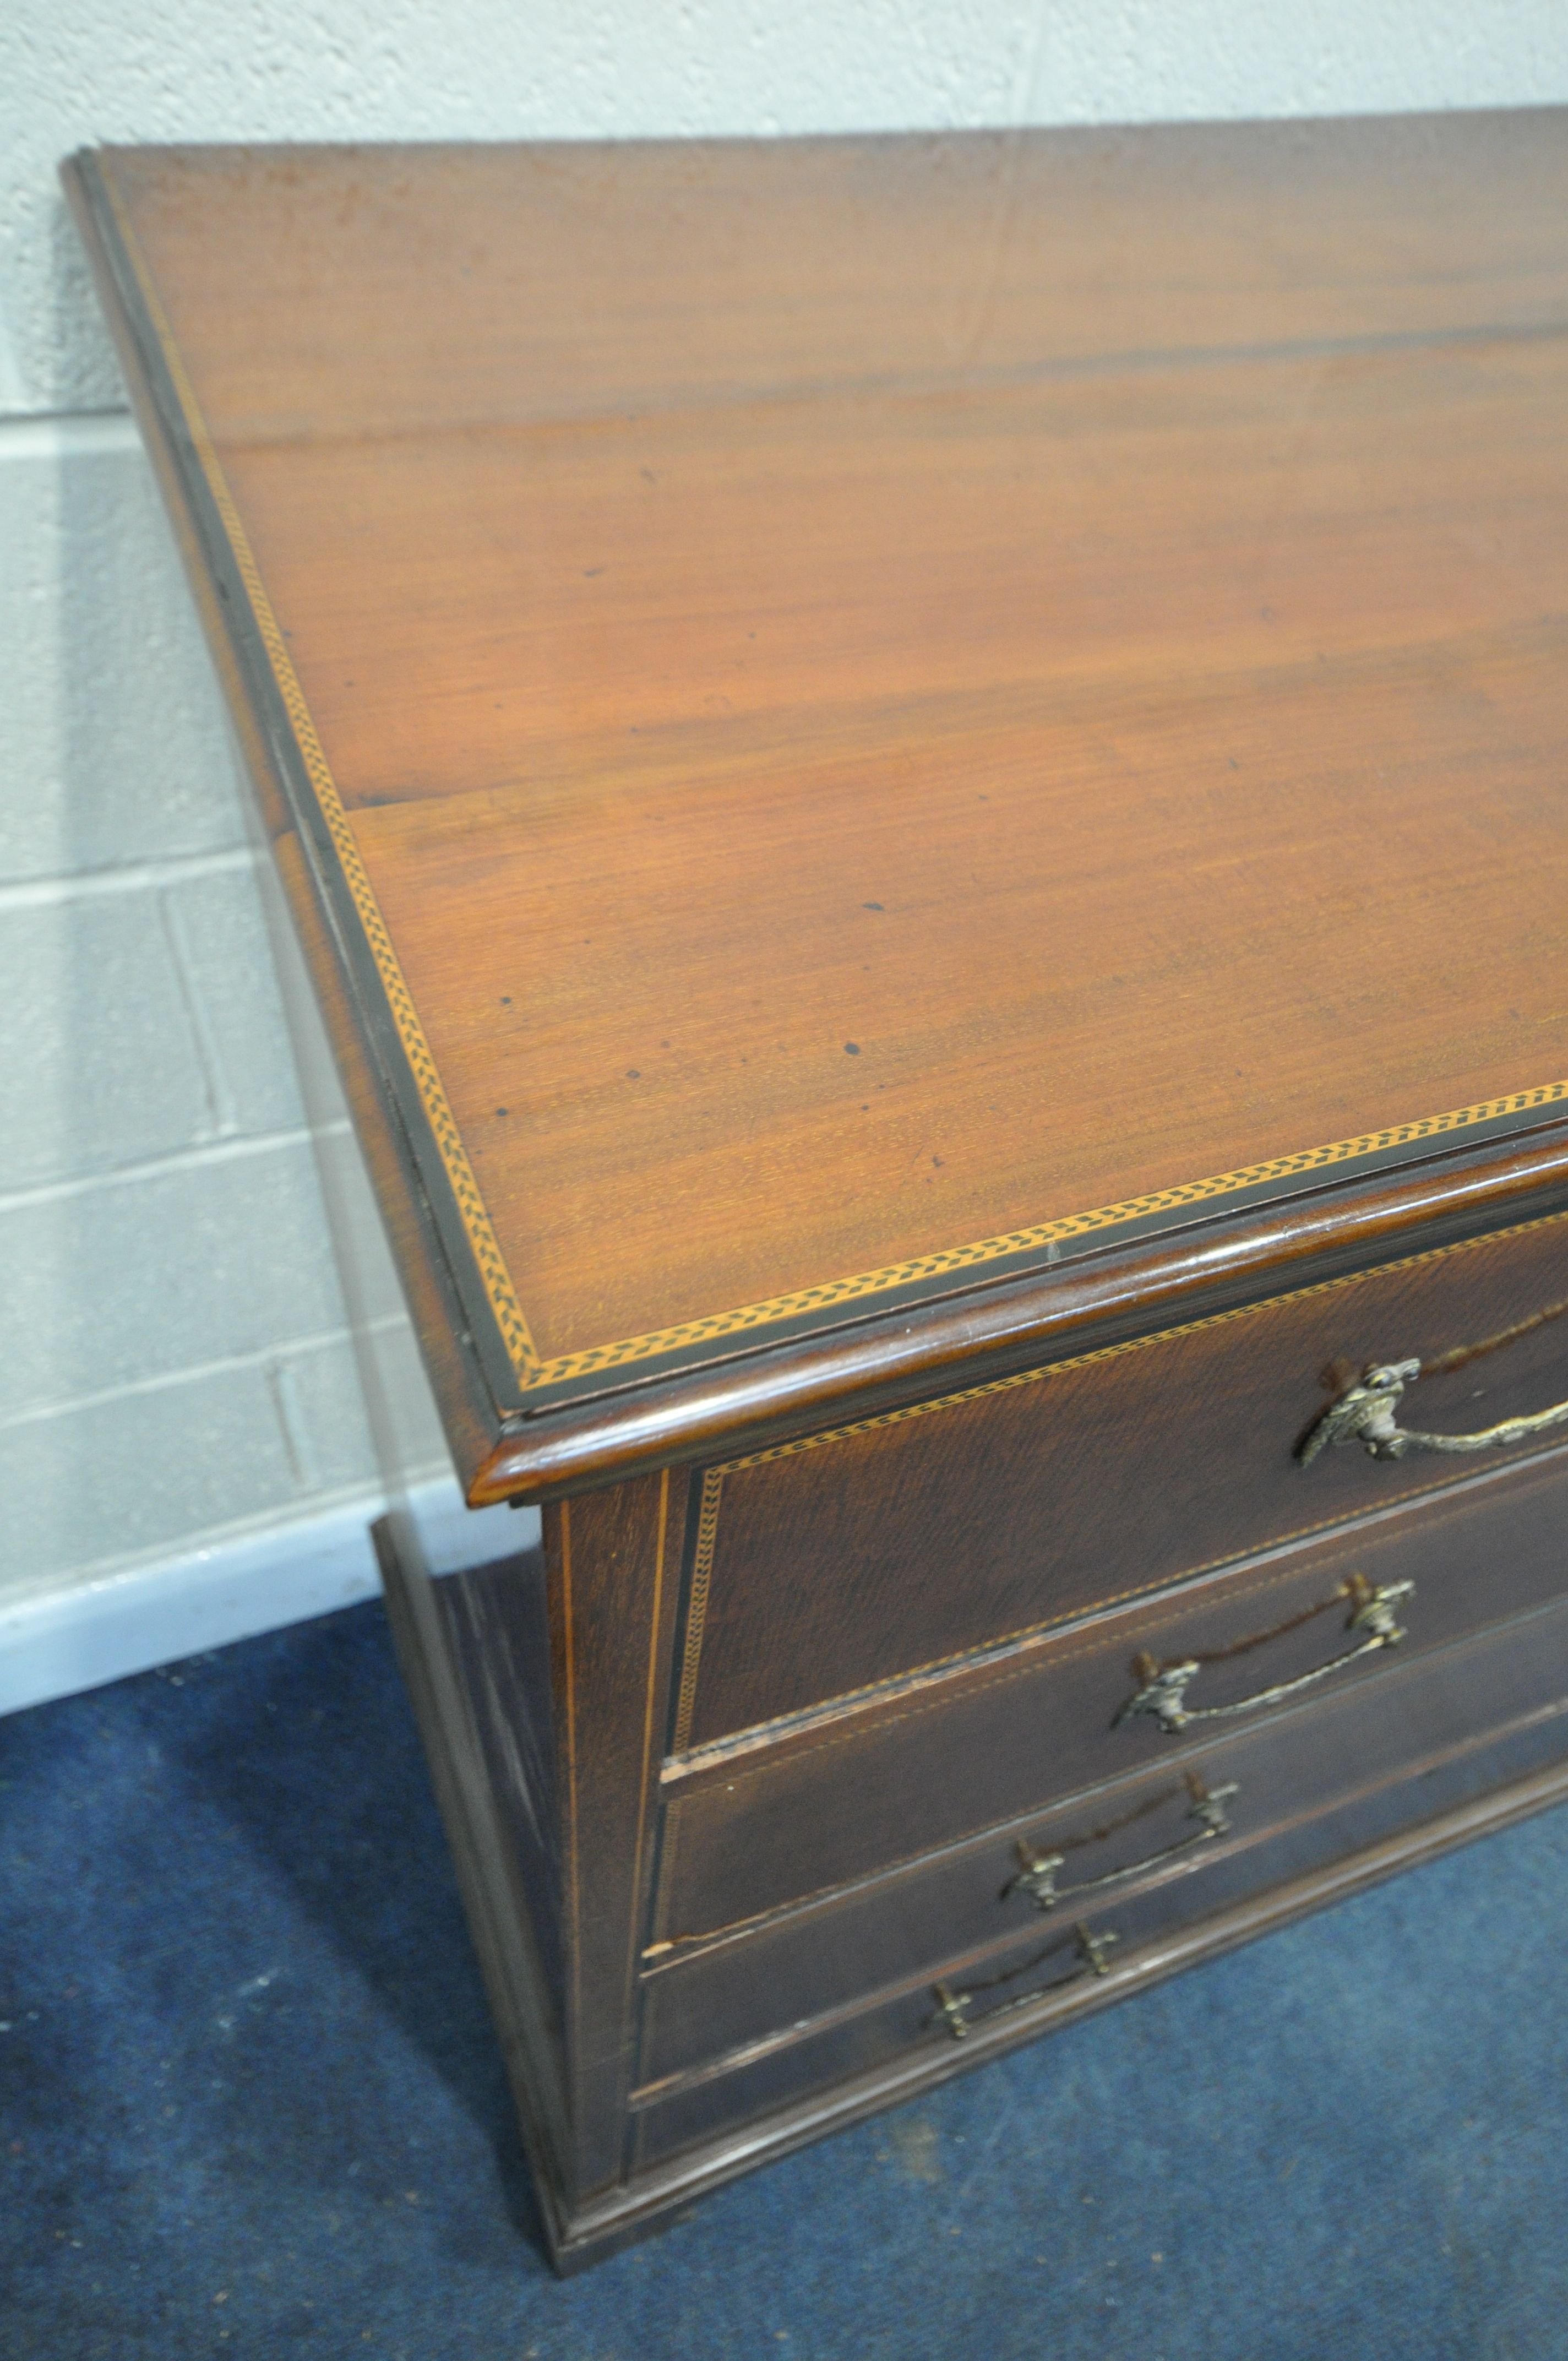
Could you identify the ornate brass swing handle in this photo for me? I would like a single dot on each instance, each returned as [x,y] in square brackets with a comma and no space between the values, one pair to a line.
[1164,1687]
[1037,1876]
[1093,1958]
[1365,1414]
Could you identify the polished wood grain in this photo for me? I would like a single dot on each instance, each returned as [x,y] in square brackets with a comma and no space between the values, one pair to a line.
[893,694]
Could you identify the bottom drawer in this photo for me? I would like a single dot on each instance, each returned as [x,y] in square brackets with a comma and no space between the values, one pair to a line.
[761,2016]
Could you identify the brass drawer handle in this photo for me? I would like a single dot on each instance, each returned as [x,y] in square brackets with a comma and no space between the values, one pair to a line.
[1037,1876]
[1164,1687]
[1093,1959]
[1364,1413]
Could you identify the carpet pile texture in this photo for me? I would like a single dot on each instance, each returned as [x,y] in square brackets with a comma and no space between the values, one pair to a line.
[252,2105]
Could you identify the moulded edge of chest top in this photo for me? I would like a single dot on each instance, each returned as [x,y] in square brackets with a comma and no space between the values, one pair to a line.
[879,1363]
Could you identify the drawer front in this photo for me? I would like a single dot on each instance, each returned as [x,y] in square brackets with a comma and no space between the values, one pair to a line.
[828,1565]
[946,1757]
[1294,1796]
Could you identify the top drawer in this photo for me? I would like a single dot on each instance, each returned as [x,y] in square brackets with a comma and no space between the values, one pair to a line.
[826,1566]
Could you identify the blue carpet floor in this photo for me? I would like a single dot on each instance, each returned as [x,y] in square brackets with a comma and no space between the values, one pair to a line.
[252,2107]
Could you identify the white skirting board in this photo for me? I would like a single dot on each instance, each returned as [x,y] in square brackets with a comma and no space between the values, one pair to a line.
[57,1642]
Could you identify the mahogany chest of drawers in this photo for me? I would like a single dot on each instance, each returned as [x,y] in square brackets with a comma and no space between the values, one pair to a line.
[923,783]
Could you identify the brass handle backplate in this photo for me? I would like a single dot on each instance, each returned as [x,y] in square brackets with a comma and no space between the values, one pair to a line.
[1163,1694]
[1365,1414]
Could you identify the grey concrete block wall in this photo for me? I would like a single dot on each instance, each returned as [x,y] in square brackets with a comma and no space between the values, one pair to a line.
[112,745]
[170,1294]
[92,1311]
[149,1469]
[174,1362]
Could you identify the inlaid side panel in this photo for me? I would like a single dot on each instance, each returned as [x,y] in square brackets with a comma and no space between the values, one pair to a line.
[509,1893]
[826,1566]
[614,1559]
[494,1623]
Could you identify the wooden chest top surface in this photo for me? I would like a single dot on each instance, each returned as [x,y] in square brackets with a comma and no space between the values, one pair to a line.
[887,708]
